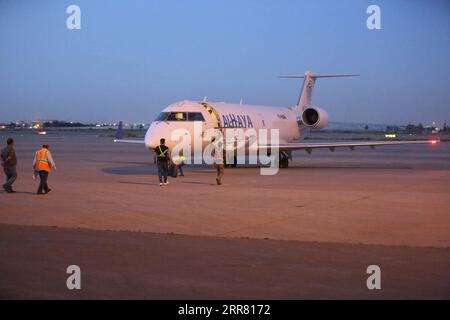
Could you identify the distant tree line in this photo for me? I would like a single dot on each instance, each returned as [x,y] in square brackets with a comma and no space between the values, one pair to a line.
[416,129]
[63,124]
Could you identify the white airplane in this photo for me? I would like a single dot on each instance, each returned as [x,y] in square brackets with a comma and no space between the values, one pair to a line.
[221,115]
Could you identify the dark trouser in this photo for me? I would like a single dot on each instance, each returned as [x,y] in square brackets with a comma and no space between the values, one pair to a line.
[219,168]
[11,176]
[43,175]
[176,169]
[180,167]
[163,168]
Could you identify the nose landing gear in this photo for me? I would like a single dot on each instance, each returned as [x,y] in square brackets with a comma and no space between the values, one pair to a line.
[284,159]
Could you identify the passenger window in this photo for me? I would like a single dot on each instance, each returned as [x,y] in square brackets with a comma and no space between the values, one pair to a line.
[177,116]
[195,116]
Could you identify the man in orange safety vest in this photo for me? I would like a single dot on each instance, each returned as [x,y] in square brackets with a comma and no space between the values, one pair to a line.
[43,163]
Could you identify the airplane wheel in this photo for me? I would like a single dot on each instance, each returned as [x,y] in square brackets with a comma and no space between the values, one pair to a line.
[284,162]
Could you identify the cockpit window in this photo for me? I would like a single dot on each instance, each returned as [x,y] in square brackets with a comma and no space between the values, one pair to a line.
[195,116]
[180,116]
[162,116]
[177,116]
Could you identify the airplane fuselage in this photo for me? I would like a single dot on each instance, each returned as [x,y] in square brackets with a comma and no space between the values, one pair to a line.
[219,115]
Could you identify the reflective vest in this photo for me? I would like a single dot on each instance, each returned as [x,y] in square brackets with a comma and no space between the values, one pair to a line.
[41,161]
[162,154]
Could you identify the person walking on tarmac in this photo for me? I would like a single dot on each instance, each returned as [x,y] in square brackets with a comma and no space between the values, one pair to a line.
[162,160]
[9,164]
[42,163]
[218,158]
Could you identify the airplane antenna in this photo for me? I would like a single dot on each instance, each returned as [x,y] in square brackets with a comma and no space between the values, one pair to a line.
[242,101]
[205,99]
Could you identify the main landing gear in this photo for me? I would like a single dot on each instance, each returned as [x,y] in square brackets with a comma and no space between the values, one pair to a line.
[283,161]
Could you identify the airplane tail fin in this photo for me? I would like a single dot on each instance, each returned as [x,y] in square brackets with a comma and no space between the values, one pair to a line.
[305,98]
[119,133]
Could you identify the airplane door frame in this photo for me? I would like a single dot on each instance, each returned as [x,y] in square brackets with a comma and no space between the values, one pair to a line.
[210,109]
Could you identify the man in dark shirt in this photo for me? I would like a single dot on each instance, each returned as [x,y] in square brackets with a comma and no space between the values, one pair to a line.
[9,164]
[162,160]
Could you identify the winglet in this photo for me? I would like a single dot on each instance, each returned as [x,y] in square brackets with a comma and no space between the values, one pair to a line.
[119,133]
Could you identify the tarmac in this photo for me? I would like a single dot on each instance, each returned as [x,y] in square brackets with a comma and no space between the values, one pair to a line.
[309,232]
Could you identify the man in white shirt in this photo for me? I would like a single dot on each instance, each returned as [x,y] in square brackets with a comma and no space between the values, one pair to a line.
[218,158]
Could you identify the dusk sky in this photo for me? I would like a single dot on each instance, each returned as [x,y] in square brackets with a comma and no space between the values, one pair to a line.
[132,58]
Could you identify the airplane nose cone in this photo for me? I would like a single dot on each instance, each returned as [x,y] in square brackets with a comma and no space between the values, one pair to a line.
[152,137]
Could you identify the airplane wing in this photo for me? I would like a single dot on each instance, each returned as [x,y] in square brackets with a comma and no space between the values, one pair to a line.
[308,146]
[129,141]
[119,136]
